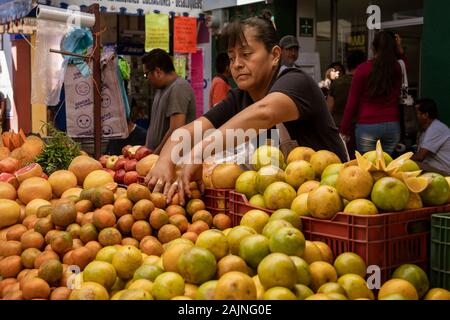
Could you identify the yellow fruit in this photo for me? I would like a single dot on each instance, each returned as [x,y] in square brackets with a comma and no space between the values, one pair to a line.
[355,287]
[398,286]
[437,294]
[300,153]
[321,272]
[97,178]
[235,285]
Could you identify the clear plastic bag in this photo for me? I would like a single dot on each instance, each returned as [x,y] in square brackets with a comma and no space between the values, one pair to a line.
[49,68]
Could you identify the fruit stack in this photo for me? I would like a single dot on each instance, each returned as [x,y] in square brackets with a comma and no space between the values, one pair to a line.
[124,167]
[317,184]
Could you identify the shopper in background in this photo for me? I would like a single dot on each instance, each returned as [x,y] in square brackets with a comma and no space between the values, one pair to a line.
[433,151]
[330,75]
[338,67]
[220,84]
[338,95]
[290,48]
[264,98]
[374,97]
[174,101]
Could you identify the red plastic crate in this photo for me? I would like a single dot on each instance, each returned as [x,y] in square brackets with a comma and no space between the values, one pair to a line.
[384,240]
[217,200]
[239,206]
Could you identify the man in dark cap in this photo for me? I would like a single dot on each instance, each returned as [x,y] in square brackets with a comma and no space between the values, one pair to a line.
[289,52]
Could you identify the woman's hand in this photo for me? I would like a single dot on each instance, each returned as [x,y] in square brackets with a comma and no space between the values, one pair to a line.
[161,177]
[189,173]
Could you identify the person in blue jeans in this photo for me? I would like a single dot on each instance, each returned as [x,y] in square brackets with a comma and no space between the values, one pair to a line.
[374,97]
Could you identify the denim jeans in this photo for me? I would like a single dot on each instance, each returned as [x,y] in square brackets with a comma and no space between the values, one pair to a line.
[367,135]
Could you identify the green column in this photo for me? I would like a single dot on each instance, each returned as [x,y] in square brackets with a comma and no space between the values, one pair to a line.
[435,56]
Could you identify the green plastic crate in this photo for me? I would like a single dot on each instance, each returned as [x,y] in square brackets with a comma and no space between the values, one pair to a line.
[440,251]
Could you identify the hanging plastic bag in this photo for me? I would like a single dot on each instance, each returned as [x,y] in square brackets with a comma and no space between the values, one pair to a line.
[49,68]
[79,92]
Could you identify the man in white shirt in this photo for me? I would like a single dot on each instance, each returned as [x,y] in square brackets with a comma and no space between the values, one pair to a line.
[433,152]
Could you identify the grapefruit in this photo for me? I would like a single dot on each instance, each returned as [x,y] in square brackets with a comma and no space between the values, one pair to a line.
[355,287]
[324,202]
[361,207]
[303,276]
[279,293]
[253,249]
[273,226]
[100,272]
[302,292]
[298,172]
[279,195]
[307,187]
[300,153]
[197,265]
[437,192]
[235,285]
[277,269]
[246,184]
[167,286]
[409,166]
[34,188]
[354,183]
[349,262]
[332,169]
[7,191]
[398,286]
[236,235]
[83,165]
[148,272]
[90,291]
[330,181]
[437,294]
[321,272]
[206,291]
[267,155]
[225,175]
[268,175]
[255,219]
[97,178]
[29,171]
[415,275]
[289,241]
[322,159]
[258,201]
[231,263]
[287,215]
[390,194]
[126,260]
[10,212]
[300,205]
[215,241]
[414,201]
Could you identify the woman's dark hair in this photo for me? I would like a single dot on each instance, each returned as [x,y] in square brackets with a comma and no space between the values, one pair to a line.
[158,58]
[222,62]
[382,78]
[264,32]
[338,67]
[428,106]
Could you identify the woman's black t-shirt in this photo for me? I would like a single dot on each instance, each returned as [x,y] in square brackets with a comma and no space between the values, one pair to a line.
[314,129]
